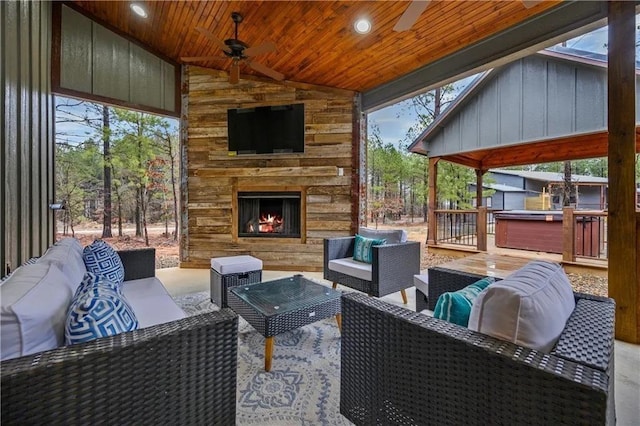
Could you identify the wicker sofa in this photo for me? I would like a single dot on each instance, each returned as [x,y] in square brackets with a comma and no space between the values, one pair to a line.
[403,367]
[179,372]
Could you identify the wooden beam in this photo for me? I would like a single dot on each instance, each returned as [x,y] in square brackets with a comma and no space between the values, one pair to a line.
[479,174]
[433,189]
[568,235]
[624,283]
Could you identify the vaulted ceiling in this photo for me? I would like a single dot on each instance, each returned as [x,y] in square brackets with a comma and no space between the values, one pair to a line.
[315,40]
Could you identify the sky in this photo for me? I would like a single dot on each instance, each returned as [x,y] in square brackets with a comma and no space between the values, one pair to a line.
[394,120]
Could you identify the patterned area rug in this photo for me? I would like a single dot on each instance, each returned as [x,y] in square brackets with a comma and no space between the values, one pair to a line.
[303,387]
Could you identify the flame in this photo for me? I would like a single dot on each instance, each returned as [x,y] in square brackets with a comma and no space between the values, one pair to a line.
[270,223]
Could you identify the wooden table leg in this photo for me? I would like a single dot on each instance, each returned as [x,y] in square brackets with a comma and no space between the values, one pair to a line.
[339,321]
[403,293]
[335,285]
[268,352]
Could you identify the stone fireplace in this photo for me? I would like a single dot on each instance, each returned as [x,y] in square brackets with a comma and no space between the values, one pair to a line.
[269,214]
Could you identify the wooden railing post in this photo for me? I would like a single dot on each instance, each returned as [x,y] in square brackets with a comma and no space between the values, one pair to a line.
[568,235]
[481,228]
[432,227]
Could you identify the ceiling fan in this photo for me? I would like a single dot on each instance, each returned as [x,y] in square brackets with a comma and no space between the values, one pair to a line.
[239,52]
[416,7]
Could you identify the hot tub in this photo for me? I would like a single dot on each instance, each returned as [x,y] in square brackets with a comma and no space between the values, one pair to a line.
[542,231]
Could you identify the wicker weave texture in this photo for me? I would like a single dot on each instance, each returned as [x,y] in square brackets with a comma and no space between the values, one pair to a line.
[401,367]
[182,372]
[392,268]
[442,280]
[220,284]
[138,263]
[272,325]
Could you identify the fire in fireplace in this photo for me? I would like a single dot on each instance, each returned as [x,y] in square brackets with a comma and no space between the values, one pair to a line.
[269,214]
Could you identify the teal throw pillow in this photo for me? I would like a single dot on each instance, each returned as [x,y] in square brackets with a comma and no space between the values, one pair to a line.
[455,307]
[363,249]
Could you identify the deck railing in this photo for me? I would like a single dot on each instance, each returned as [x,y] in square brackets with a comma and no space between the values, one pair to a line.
[462,227]
[585,234]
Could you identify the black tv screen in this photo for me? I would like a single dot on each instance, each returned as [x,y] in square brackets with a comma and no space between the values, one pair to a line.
[266,130]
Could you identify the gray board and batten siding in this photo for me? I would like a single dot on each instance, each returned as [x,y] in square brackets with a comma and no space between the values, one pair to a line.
[98,64]
[534,98]
[26,153]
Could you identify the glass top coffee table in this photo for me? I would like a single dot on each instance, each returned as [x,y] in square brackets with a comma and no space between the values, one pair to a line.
[274,307]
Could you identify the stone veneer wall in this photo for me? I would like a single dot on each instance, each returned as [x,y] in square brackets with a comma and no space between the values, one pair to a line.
[325,174]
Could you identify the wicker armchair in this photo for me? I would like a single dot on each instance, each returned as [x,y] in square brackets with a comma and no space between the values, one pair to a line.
[392,269]
[181,372]
[402,367]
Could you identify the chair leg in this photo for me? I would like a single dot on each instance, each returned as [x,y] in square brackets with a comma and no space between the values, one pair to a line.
[335,285]
[403,293]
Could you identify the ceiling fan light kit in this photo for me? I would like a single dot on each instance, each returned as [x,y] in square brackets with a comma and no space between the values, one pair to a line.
[239,52]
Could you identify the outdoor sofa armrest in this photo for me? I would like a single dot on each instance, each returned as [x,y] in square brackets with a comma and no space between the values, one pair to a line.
[337,248]
[394,265]
[402,367]
[444,280]
[138,263]
[181,372]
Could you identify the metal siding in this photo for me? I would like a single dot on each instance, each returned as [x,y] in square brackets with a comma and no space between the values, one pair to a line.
[169,86]
[469,126]
[26,132]
[452,138]
[513,200]
[510,180]
[561,99]
[534,185]
[75,51]
[534,98]
[497,200]
[145,76]
[488,106]
[589,197]
[110,57]
[590,97]
[509,101]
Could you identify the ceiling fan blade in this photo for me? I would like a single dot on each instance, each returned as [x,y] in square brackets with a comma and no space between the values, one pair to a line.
[205,32]
[265,47]
[411,15]
[234,73]
[262,69]
[530,3]
[202,58]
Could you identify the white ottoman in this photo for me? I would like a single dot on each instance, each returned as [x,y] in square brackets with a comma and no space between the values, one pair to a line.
[422,291]
[232,271]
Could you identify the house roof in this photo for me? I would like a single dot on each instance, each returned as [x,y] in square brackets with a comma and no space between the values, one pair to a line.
[502,188]
[316,42]
[552,176]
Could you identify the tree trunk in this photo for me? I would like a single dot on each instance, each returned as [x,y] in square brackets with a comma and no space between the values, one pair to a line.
[119,214]
[106,217]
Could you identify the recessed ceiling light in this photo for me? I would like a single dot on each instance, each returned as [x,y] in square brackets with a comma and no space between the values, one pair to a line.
[362,26]
[139,10]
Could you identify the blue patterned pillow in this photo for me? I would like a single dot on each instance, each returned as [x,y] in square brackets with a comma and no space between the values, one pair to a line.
[92,280]
[456,306]
[363,249]
[99,311]
[101,259]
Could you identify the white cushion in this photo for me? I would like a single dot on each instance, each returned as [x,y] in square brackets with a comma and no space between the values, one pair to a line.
[393,236]
[236,264]
[351,267]
[422,283]
[68,259]
[151,302]
[529,308]
[33,312]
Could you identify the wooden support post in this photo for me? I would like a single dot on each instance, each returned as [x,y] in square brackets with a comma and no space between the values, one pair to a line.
[479,174]
[433,188]
[624,282]
[568,235]
[481,228]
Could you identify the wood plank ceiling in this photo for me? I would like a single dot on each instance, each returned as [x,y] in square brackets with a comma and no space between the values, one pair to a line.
[316,42]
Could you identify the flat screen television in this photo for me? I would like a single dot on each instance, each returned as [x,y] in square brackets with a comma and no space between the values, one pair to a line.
[266,130]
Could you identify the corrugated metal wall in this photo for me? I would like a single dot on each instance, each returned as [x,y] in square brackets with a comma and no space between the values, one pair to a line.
[26,126]
[96,61]
[530,99]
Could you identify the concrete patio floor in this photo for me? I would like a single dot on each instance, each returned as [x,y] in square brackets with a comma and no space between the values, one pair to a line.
[180,281]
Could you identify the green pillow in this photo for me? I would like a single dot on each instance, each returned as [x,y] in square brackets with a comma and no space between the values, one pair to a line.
[456,306]
[363,250]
